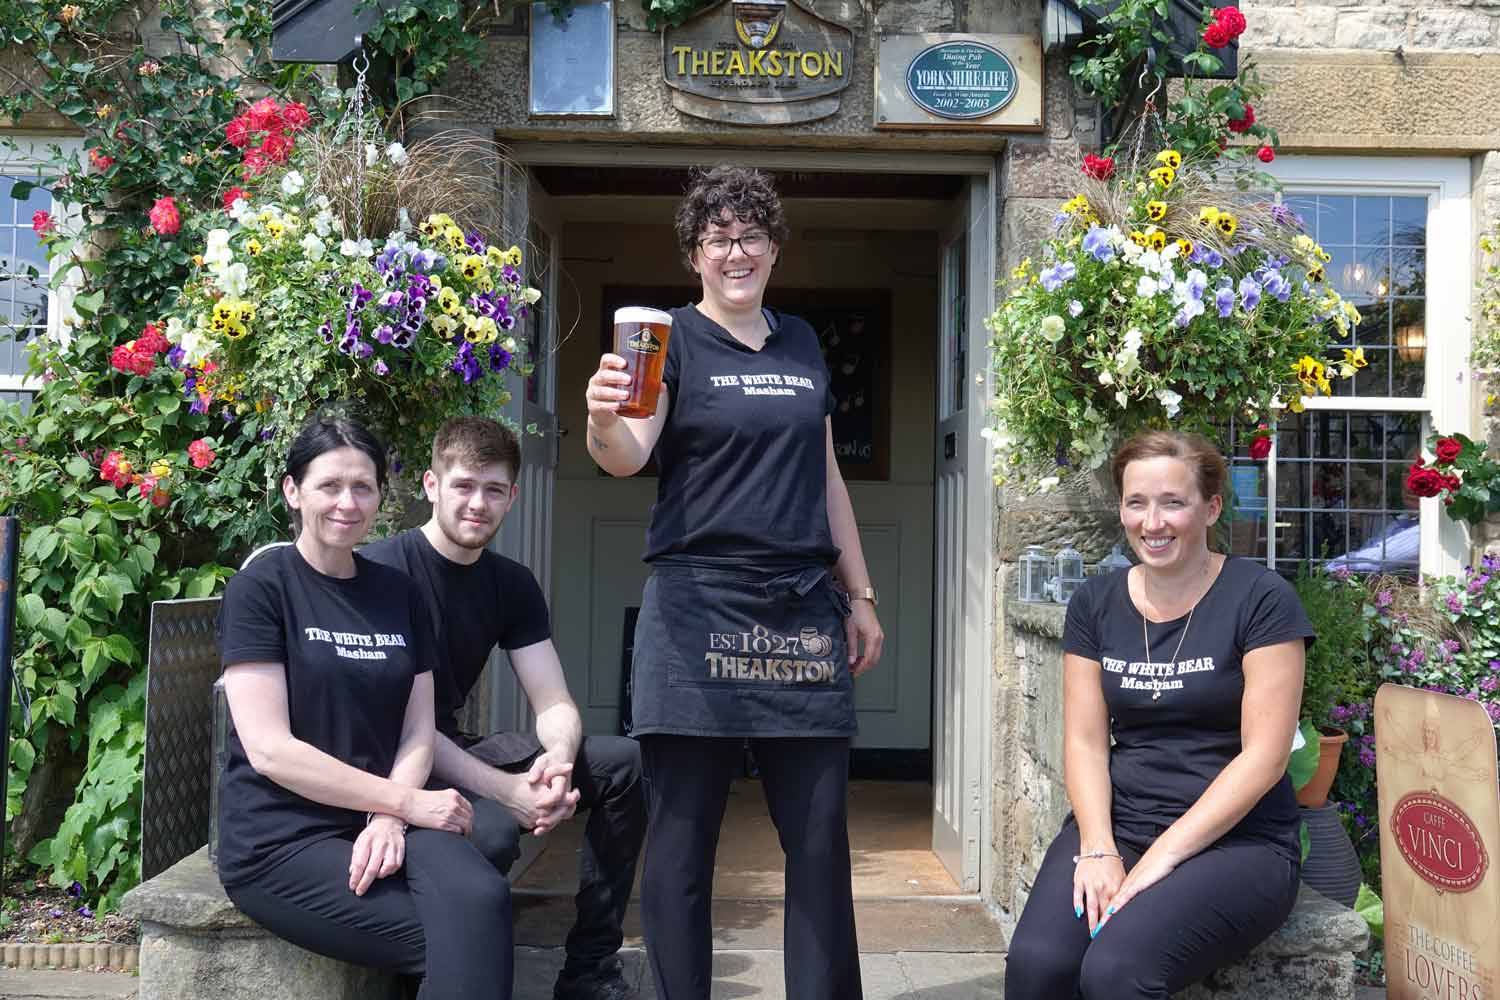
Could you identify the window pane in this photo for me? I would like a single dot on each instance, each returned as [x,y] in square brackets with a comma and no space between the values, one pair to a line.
[23,269]
[1372,221]
[1335,220]
[1409,221]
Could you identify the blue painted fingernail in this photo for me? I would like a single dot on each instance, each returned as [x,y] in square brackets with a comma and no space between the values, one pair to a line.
[1078,912]
[1095,932]
[1109,912]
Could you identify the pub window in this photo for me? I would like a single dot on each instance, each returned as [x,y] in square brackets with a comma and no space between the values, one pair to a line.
[1334,488]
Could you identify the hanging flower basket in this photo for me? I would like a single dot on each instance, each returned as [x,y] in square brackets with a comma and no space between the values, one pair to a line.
[1165,296]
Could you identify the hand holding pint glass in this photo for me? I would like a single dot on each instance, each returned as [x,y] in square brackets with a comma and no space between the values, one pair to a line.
[628,381]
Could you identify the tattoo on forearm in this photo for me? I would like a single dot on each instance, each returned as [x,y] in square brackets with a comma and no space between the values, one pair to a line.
[598,442]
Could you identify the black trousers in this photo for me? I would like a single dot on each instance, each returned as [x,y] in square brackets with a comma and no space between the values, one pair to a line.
[444,916]
[806,784]
[1210,911]
[607,774]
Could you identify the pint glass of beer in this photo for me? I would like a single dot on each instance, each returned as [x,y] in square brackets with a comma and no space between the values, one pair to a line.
[641,336]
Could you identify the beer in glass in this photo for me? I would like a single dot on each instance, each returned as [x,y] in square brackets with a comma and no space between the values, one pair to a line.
[641,336]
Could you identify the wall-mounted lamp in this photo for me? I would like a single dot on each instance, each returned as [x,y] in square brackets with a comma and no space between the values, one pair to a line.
[1411,341]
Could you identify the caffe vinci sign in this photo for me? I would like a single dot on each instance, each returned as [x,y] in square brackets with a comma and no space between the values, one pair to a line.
[1439,830]
[758,62]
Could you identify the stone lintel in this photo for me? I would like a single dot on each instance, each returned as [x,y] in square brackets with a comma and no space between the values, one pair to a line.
[1044,619]
[1420,102]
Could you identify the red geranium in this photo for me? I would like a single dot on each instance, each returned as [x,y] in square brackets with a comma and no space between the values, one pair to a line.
[237,132]
[99,161]
[295,115]
[1266,154]
[1100,168]
[1424,481]
[232,195]
[265,115]
[200,454]
[1448,449]
[1215,36]
[164,217]
[1243,124]
[128,359]
[151,341]
[1231,20]
[277,146]
[1260,448]
[41,223]
[255,162]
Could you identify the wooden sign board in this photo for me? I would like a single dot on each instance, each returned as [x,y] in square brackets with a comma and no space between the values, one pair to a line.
[939,80]
[758,62]
[1439,834]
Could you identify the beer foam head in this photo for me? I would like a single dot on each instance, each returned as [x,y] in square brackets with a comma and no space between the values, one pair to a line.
[642,314]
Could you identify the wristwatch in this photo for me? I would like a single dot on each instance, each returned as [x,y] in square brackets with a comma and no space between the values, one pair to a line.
[865,594]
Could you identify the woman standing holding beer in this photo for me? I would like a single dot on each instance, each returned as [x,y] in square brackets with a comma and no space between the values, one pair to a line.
[743,629]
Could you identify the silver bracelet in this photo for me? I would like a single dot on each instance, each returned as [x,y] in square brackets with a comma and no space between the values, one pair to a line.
[370,816]
[1096,854]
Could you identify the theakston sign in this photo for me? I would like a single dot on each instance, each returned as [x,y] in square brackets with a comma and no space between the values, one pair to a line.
[758,62]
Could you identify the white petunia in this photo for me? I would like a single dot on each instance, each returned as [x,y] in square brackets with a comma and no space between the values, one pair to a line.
[1133,339]
[313,247]
[396,153]
[1170,401]
[356,248]
[321,202]
[372,154]
[322,223]
[1053,328]
[1145,286]
[531,295]
[1105,378]
[239,210]
[292,183]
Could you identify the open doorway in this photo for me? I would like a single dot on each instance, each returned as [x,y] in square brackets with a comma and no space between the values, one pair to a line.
[866,265]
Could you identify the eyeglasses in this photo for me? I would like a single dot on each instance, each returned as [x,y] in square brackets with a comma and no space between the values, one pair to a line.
[753,244]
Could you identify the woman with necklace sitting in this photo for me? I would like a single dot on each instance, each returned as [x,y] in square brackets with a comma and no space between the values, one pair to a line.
[1181,688]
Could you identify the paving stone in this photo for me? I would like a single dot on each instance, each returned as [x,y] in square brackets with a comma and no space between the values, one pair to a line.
[936,976]
[37,984]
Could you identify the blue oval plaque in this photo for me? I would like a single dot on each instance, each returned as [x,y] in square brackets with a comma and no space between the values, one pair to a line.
[961,79]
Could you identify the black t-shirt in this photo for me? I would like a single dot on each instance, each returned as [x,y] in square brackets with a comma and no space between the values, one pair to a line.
[491,602]
[350,650]
[1177,724]
[743,454]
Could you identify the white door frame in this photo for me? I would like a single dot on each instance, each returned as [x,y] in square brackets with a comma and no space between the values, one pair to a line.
[980,168]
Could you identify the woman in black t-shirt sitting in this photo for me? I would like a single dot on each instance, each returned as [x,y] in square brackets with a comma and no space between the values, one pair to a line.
[1181,686]
[328,670]
[742,632]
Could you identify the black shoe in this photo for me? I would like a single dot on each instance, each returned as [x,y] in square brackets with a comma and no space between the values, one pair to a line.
[606,981]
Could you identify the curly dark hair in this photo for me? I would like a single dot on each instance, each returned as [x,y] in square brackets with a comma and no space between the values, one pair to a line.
[725,192]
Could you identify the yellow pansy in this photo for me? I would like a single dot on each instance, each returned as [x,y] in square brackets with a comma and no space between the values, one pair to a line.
[1322,254]
[443,325]
[1226,223]
[485,283]
[1170,157]
[223,311]
[513,256]
[245,312]
[436,282]
[1353,361]
[454,236]
[1208,215]
[253,247]
[1185,247]
[448,300]
[1138,238]
[1156,210]
[430,227]
[1296,405]
[275,228]
[1315,273]
[1157,240]
[1304,243]
[473,332]
[1077,205]
[495,256]
[1351,313]
[471,266]
[1163,176]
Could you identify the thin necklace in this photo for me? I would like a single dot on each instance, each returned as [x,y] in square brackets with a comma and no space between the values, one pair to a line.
[1156,694]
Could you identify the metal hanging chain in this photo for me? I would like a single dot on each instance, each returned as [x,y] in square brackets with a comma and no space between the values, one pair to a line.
[361,66]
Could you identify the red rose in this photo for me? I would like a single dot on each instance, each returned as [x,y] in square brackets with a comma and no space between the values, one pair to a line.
[1423,481]
[109,469]
[1260,448]
[255,163]
[1266,154]
[1452,483]
[41,223]
[265,115]
[1100,168]
[1243,124]
[151,341]
[1448,449]
[164,217]
[232,195]
[276,147]
[1231,20]
[1215,37]
[237,132]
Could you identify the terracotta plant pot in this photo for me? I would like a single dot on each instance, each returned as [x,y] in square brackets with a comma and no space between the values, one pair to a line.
[1315,793]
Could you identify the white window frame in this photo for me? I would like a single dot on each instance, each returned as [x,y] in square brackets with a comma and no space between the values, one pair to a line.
[1447,184]
[20,153]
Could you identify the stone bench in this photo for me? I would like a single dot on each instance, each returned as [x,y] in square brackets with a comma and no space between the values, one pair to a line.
[1311,955]
[195,944]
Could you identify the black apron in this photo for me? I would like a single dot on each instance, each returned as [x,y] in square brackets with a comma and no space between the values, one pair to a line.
[722,649]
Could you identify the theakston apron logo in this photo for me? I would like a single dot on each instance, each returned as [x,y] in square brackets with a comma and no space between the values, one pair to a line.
[1440,843]
[644,342]
[763,655]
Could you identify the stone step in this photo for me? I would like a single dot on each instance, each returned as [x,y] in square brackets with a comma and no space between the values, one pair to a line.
[951,924]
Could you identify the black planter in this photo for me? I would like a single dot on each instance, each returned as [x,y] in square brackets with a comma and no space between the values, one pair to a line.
[1332,866]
